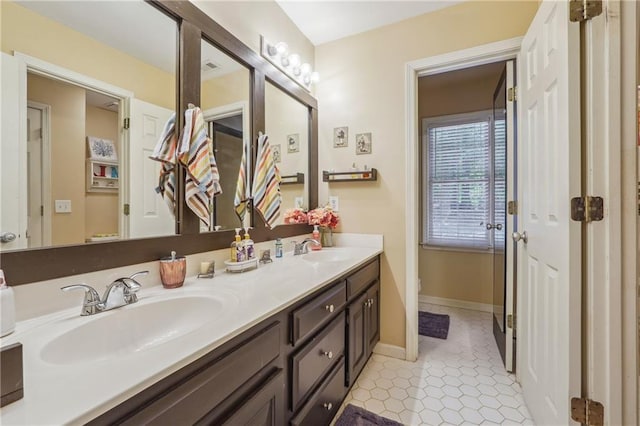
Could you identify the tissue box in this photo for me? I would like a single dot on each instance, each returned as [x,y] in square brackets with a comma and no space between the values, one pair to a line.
[11,378]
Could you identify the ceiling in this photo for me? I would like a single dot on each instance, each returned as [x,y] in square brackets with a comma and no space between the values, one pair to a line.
[325,20]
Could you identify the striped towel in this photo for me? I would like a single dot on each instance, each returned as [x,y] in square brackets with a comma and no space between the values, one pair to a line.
[165,152]
[266,184]
[195,152]
[243,195]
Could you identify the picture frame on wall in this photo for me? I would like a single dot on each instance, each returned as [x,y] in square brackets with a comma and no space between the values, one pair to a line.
[101,149]
[293,143]
[277,153]
[340,137]
[363,143]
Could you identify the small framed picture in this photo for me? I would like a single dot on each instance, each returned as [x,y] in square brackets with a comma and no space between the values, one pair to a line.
[363,143]
[340,137]
[293,143]
[277,153]
[101,149]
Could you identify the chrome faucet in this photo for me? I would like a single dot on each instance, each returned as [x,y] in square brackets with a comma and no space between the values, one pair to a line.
[119,293]
[303,247]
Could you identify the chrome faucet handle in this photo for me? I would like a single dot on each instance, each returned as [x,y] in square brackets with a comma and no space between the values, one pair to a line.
[91,302]
[138,274]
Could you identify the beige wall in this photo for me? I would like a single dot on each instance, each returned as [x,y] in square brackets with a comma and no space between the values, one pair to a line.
[457,275]
[226,89]
[363,86]
[67,147]
[27,32]
[101,209]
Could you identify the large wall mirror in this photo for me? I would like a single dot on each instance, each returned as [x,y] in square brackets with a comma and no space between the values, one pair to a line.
[114,73]
[73,170]
[224,94]
[287,125]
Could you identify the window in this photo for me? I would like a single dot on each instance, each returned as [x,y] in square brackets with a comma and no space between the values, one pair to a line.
[458,180]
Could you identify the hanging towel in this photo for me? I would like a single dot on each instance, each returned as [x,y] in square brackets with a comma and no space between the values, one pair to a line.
[243,195]
[165,152]
[195,152]
[266,184]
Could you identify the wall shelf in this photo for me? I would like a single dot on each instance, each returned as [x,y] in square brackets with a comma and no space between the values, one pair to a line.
[298,178]
[356,175]
[102,176]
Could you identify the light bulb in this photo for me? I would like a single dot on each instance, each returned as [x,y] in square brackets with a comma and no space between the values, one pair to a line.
[271,50]
[305,68]
[306,80]
[282,48]
[294,60]
[315,77]
[284,61]
[296,71]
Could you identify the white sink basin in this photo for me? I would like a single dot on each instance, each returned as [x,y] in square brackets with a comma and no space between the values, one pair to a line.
[327,255]
[131,329]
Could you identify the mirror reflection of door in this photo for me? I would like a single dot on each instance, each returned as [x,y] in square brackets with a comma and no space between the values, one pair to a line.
[503,187]
[37,234]
[226,134]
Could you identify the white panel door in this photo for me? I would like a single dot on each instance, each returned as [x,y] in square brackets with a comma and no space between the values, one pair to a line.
[13,153]
[149,214]
[549,304]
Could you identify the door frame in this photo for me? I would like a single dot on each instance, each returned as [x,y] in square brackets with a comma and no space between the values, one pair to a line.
[56,72]
[46,169]
[480,55]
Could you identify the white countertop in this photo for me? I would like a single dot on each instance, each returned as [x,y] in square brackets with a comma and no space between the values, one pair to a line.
[79,392]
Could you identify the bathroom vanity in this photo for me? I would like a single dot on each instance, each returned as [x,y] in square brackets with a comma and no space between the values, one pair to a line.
[279,345]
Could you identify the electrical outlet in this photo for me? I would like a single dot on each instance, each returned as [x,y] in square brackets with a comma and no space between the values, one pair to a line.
[298,202]
[63,206]
[334,204]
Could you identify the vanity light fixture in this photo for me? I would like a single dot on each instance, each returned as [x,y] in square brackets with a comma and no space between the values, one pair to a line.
[289,63]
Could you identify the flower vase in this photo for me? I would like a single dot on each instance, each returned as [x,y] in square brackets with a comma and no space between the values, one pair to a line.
[326,237]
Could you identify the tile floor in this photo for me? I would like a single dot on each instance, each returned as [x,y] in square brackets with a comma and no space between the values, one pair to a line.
[460,380]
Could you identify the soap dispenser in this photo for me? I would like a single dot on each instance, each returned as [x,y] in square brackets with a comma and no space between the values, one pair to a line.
[7,307]
[316,236]
[248,245]
[237,249]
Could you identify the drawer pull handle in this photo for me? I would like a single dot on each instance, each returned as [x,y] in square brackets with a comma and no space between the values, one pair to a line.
[328,354]
[328,406]
[330,308]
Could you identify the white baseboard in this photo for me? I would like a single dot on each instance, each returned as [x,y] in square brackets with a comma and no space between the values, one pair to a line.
[389,350]
[455,303]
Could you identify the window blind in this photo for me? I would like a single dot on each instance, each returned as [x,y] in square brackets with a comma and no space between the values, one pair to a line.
[459,182]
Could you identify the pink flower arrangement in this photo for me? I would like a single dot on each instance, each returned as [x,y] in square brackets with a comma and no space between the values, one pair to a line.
[324,217]
[296,215]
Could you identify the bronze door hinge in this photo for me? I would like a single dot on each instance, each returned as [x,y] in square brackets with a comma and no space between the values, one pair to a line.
[587,411]
[587,209]
[584,10]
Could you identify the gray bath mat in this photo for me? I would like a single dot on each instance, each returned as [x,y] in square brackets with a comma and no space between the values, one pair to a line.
[356,416]
[433,325]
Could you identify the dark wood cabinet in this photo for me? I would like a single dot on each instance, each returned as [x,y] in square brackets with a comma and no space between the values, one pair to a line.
[295,367]
[358,339]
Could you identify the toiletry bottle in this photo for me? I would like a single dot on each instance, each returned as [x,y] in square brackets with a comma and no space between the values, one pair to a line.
[235,247]
[278,248]
[316,236]
[248,245]
[354,170]
[7,307]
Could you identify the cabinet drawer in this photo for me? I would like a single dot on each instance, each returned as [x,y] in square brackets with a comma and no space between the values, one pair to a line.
[362,278]
[194,397]
[311,316]
[324,404]
[315,359]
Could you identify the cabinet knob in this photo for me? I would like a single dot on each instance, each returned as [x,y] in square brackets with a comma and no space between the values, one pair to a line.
[328,354]
[328,406]
[329,308]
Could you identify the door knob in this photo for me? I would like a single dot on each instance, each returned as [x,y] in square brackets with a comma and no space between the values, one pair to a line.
[517,236]
[497,226]
[7,237]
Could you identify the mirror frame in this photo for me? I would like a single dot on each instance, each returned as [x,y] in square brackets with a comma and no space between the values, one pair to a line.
[32,265]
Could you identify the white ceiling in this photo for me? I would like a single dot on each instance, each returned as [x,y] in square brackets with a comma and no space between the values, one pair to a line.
[325,20]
